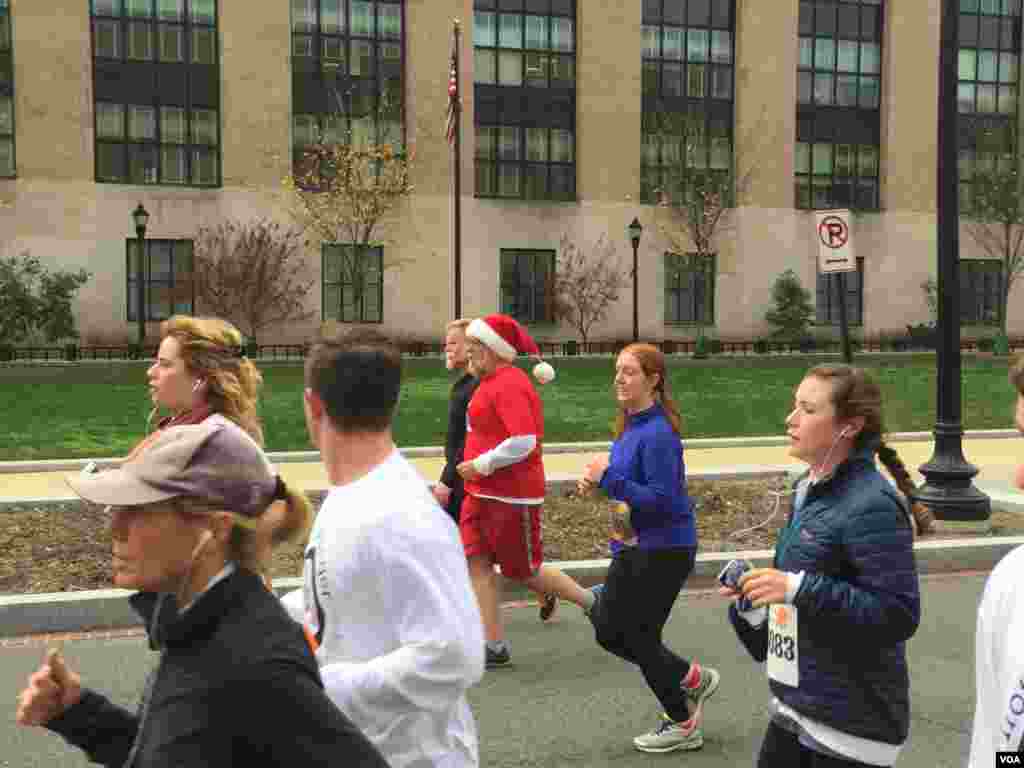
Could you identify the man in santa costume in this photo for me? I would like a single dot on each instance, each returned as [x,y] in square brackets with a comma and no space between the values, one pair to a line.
[504,476]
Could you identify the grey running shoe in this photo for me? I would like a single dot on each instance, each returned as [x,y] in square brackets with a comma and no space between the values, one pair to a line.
[670,736]
[494,659]
[548,605]
[709,680]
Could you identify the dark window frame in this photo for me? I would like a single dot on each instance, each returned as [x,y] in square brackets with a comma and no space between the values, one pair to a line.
[827,128]
[827,312]
[701,303]
[538,311]
[198,86]
[7,85]
[330,103]
[544,103]
[693,95]
[361,313]
[985,135]
[131,248]
[982,307]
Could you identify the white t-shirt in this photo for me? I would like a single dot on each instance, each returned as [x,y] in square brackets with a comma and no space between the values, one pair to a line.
[388,596]
[999,662]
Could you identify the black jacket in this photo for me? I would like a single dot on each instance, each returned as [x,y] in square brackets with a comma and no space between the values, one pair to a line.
[236,685]
[455,440]
[859,603]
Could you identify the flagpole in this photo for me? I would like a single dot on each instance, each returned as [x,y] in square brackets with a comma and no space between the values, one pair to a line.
[457,187]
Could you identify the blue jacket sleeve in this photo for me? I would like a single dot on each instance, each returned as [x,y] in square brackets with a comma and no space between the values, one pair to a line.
[755,640]
[879,600]
[650,500]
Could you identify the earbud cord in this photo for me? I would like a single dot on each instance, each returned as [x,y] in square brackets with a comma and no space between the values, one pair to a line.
[204,539]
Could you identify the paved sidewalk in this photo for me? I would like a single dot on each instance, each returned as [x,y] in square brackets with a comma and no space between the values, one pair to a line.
[995,454]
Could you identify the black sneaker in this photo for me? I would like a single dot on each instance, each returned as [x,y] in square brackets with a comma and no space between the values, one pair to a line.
[494,659]
[548,604]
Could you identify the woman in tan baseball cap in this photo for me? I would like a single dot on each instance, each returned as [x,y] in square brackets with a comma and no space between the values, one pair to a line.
[237,683]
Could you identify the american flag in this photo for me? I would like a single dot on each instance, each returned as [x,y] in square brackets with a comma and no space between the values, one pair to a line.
[451,121]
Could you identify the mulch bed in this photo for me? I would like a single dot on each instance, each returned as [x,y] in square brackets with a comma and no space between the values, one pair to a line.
[67,547]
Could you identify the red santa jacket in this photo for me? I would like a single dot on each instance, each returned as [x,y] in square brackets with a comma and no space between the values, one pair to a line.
[506,405]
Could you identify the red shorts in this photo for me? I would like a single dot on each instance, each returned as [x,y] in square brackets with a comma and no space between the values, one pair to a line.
[508,533]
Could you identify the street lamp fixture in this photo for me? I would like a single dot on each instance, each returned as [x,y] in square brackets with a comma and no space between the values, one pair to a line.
[140,217]
[635,229]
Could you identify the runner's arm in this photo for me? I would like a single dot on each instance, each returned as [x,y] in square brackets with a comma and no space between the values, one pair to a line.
[510,451]
[100,728]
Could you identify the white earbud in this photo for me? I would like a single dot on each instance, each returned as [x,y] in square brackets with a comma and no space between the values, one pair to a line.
[845,432]
[196,385]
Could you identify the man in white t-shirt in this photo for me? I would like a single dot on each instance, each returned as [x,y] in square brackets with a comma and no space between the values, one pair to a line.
[999,644]
[387,599]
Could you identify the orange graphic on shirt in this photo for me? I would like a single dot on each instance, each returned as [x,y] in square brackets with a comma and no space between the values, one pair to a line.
[781,615]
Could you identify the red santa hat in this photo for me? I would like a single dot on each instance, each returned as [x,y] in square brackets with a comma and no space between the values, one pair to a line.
[507,338]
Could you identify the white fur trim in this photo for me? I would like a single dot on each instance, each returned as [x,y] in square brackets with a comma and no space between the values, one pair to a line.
[481,331]
[543,372]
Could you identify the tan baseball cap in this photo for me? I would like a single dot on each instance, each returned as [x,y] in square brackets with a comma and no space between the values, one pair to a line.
[215,462]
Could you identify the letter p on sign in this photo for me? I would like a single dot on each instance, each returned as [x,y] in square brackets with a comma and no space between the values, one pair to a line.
[835,246]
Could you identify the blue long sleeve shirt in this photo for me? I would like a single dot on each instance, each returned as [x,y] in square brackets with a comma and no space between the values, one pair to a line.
[646,470]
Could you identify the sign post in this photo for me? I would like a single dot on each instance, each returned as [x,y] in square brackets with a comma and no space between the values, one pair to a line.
[835,255]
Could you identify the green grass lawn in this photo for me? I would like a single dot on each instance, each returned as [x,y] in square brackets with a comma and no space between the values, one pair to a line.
[101,411]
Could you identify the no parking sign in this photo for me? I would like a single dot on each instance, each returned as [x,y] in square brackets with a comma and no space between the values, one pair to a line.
[835,246]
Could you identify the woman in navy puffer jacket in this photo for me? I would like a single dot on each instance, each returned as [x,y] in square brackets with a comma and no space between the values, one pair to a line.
[832,617]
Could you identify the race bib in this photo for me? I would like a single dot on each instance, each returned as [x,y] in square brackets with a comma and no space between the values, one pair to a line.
[783,649]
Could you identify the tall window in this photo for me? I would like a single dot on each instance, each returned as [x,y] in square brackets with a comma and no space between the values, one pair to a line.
[826,309]
[168,278]
[346,72]
[981,290]
[7,166]
[157,91]
[525,98]
[689,289]
[839,86]
[989,62]
[526,284]
[687,62]
[353,289]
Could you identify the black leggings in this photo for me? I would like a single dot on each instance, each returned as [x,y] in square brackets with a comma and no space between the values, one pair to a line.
[783,748]
[639,591]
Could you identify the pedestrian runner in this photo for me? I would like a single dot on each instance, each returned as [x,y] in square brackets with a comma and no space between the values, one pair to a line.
[834,612]
[449,490]
[504,477]
[653,545]
[387,596]
[200,370]
[236,682]
[998,646]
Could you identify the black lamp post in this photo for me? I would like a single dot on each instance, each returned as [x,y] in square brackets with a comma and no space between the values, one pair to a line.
[948,490]
[635,230]
[140,217]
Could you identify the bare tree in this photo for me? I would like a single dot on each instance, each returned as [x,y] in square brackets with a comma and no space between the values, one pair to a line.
[253,273]
[994,212]
[586,284]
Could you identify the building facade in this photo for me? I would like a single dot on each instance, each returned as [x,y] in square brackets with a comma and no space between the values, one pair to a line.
[198,109]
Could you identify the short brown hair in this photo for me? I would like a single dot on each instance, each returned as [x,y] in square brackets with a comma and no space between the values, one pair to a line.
[358,375]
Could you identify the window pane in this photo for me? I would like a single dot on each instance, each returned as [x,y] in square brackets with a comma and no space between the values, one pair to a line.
[536,69]
[721,82]
[563,71]
[107,39]
[510,68]
[508,180]
[825,19]
[106,7]
[804,83]
[332,53]
[562,145]
[807,53]
[673,43]
[304,15]
[846,90]
[141,123]
[172,165]
[848,22]
[485,185]
[142,164]
[6,115]
[138,9]
[651,42]
[698,12]
[721,47]
[844,160]
[202,11]
[870,58]
[697,45]
[6,157]
[1007,99]
[535,182]
[362,18]
[562,38]
[537,32]
[172,42]
[847,56]
[510,28]
[823,158]
[1008,68]
[109,121]
[537,145]
[110,162]
[965,98]
[508,143]
[171,10]
[870,92]
[484,67]
[140,41]
[332,17]
[695,80]
[802,158]
[987,61]
[484,29]
[389,21]
[204,166]
[823,89]
[485,142]
[824,54]
[362,59]
[302,45]
[868,157]
[968,64]
[986,98]
[204,126]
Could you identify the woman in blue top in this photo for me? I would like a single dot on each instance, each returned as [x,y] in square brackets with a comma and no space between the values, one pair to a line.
[653,549]
[842,596]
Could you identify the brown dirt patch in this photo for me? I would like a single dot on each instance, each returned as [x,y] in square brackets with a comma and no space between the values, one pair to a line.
[67,547]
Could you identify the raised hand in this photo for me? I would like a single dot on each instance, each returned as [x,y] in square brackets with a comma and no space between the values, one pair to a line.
[51,690]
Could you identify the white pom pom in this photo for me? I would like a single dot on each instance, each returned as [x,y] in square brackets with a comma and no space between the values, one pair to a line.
[543,372]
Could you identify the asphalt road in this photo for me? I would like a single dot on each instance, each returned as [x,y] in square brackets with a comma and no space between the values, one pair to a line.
[565,702]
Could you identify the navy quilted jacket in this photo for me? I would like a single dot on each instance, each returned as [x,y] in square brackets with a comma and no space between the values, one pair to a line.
[858,604]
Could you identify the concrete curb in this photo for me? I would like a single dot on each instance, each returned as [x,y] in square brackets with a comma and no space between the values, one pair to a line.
[109,608]
[431,452]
